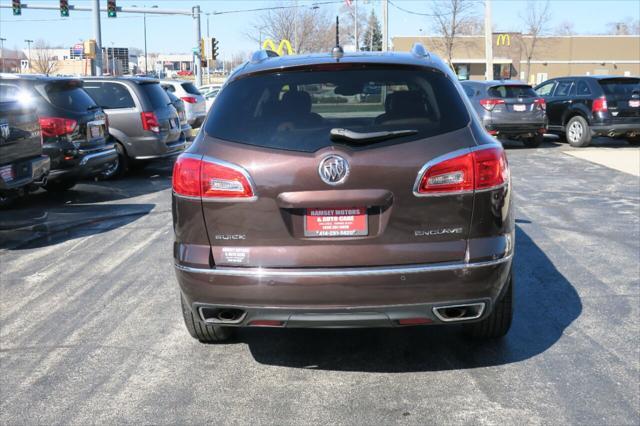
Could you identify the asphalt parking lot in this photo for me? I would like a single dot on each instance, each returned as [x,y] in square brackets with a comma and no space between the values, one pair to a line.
[91,329]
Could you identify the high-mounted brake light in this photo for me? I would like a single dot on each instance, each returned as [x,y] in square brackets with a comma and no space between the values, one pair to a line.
[189,99]
[57,126]
[150,122]
[599,105]
[489,104]
[476,170]
[193,177]
[540,103]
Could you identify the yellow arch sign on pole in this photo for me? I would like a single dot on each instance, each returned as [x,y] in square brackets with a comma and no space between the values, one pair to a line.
[284,43]
[503,39]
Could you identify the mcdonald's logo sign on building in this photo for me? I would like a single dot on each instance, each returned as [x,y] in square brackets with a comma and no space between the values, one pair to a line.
[503,40]
[284,43]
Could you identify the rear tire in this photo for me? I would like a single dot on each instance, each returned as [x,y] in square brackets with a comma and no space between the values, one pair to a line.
[206,333]
[533,142]
[497,324]
[577,132]
[635,141]
[120,167]
[60,185]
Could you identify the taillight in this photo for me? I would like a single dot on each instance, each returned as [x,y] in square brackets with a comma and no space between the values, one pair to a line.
[490,103]
[150,121]
[540,103]
[189,99]
[476,170]
[599,105]
[193,177]
[57,126]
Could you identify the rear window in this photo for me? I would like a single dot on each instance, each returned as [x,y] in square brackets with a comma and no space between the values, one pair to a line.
[296,110]
[624,87]
[69,97]
[512,91]
[156,95]
[190,88]
[110,95]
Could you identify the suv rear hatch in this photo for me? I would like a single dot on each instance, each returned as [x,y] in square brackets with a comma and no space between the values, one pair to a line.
[160,109]
[284,145]
[623,98]
[514,104]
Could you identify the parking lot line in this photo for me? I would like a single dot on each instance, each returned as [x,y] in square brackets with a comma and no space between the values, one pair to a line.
[625,160]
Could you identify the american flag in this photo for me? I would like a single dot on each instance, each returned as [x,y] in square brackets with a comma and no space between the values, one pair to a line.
[347,2]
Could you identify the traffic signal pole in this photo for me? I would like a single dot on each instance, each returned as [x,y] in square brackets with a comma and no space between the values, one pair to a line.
[194,13]
[197,64]
[97,34]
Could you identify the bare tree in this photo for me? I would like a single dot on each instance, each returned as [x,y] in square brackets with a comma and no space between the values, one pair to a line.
[347,27]
[451,17]
[307,30]
[473,25]
[628,26]
[535,20]
[43,60]
[565,28]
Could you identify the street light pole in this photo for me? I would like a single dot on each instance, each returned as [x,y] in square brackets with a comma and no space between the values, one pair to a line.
[97,34]
[2,40]
[29,50]
[146,58]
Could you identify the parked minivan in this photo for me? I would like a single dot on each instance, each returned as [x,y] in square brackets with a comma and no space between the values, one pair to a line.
[142,120]
[343,210]
[73,128]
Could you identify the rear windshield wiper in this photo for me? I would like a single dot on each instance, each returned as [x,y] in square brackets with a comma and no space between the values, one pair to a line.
[358,137]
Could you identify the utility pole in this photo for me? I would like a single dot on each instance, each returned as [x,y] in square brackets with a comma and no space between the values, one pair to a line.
[29,49]
[488,40]
[385,25]
[196,56]
[355,23]
[2,40]
[97,34]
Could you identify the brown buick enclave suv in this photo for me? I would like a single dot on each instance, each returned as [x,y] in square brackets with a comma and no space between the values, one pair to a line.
[343,190]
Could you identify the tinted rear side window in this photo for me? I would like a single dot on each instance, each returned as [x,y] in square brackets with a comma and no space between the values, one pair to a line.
[69,98]
[296,110]
[190,88]
[509,91]
[623,87]
[110,95]
[156,95]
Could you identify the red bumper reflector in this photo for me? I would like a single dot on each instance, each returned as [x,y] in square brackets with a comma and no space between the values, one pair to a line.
[266,323]
[414,321]
[492,132]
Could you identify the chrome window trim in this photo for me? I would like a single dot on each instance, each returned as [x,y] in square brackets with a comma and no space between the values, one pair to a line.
[445,157]
[222,163]
[343,272]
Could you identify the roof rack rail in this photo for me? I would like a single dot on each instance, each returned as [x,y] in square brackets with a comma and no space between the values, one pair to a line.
[261,55]
[420,51]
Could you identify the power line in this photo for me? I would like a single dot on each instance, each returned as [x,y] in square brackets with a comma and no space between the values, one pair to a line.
[311,5]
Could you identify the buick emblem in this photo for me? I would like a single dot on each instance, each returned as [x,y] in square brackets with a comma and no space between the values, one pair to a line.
[333,170]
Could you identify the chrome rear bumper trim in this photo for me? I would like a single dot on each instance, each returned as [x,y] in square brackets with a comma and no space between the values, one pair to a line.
[343,272]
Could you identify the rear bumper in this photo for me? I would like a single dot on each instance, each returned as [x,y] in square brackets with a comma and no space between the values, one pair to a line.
[616,129]
[88,164]
[171,150]
[520,129]
[344,297]
[34,170]
[196,121]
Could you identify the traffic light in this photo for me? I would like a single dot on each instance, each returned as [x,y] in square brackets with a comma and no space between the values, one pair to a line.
[111,9]
[214,48]
[17,7]
[64,8]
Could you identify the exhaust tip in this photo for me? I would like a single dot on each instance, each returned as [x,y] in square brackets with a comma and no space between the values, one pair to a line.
[463,312]
[222,315]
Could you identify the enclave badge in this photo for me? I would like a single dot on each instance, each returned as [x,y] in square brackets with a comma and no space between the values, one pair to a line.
[333,170]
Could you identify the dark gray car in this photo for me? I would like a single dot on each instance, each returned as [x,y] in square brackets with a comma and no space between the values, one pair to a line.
[509,109]
[142,119]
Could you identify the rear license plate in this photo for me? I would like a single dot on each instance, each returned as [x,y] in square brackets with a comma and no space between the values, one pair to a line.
[7,173]
[95,131]
[181,116]
[634,103]
[343,222]
[519,107]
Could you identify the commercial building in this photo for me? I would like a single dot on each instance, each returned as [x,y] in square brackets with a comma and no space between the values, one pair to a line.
[553,56]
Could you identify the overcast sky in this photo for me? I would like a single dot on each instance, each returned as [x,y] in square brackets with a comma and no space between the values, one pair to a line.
[175,34]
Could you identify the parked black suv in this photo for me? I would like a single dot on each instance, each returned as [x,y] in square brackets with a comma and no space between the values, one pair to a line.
[22,165]
[73,128]
[579,108]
